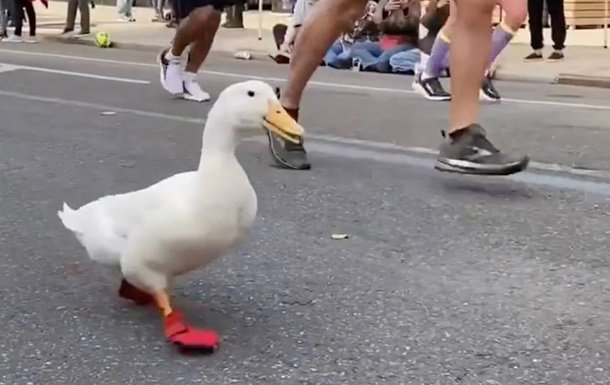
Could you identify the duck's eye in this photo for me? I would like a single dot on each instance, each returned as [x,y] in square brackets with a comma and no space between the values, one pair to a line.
[251,94]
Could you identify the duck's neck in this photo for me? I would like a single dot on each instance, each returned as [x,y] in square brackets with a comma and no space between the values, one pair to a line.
[219,139]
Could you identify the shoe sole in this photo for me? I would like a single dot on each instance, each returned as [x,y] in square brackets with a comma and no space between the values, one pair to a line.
[418,88]
[186,96]
[444,165]
[483,96]
[280,161]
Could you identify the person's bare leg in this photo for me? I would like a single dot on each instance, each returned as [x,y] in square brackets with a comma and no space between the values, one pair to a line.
[322,27]
[199,26]
[198,52]
[468,58]
[325,23]
[468,150]
[191,29]
[200,48]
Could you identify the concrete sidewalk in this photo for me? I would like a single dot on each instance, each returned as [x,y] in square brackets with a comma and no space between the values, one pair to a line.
[586,60]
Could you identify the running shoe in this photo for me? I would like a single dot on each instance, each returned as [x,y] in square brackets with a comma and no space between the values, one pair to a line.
[171,74]
[287,154]
[488,91]
[470,152]
[192,91]
[430,88]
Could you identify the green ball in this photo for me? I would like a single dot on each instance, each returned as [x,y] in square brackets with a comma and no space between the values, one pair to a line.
[102,40]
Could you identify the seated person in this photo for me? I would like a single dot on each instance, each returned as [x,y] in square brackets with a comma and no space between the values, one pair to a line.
[399,25]
[410,62]
[285,36]
[365,29]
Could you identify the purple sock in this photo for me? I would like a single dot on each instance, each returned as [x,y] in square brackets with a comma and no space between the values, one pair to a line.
[438,55]
[499,40]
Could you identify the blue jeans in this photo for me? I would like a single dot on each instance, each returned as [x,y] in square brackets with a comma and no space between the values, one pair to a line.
[373,58]
[405,62]
[337,57]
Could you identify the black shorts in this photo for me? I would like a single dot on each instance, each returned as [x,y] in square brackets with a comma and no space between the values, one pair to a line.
[185,7]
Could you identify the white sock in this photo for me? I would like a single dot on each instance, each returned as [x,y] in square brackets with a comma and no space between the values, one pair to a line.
[171,57]
[425,75]
[189,77]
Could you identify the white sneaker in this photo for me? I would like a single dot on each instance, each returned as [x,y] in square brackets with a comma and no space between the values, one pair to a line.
[68,34]
[192,91]
[13,39]
[31,40]
[171,74]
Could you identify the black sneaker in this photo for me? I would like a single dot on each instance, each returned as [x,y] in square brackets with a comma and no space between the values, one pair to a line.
[471,153]
[287,154]
[430,88]
[488,91]
[556,56]
[534,56]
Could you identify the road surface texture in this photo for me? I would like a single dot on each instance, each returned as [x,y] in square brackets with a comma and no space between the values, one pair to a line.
[444,279]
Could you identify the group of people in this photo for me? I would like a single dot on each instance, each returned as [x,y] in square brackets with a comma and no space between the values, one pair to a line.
[386,39]
[461,39]
[13,13]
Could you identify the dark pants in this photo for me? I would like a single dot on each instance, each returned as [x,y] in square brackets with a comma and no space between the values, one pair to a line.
[73,6]
[558,23]
[29,9]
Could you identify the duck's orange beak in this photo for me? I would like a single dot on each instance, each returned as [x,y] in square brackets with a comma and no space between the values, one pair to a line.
[279,122]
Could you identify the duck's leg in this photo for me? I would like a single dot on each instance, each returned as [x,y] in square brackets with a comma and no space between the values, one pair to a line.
[132,293]
[181,334]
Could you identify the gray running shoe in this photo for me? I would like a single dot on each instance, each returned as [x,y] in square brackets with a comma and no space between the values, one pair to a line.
[287,154]
[470,152]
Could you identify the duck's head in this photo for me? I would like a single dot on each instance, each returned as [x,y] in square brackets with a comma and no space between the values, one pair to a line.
[252,104]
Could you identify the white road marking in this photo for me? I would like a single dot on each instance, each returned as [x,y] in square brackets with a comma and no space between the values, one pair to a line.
[101,107]
[380,148]
[527,177]
[7,68]
[549,103]
[72,73]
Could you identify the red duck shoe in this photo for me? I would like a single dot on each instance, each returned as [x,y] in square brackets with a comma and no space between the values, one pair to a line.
[187,337]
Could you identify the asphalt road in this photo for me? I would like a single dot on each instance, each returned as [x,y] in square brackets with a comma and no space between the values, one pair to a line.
[444,279]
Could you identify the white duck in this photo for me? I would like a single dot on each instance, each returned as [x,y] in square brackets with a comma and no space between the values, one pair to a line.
[186,221]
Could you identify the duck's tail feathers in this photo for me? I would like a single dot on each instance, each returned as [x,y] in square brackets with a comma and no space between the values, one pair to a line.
[69,218]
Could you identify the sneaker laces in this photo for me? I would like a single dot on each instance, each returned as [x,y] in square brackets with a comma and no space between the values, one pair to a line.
[479,138]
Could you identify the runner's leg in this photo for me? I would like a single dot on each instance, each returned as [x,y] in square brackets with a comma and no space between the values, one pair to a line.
[199,21]
[327,20]
[427,83]
[515,15]
[468,150]
[198,52]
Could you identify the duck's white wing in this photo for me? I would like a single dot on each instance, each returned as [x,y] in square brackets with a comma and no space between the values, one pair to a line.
[103,226]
